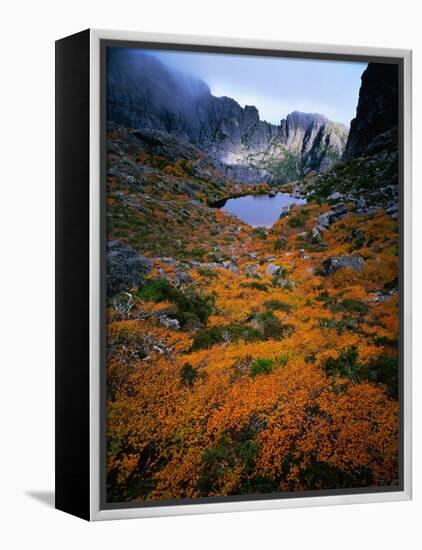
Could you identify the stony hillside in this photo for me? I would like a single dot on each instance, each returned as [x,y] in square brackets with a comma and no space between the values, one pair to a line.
[144,93]
[243,360]
[368,175]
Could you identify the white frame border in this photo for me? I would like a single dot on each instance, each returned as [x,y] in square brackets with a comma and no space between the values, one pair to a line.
[96,513]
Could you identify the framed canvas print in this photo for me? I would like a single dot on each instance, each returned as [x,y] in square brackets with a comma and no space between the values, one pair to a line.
[233,275]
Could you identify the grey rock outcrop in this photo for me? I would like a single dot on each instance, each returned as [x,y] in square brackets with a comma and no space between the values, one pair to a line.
[333,264]
[325,219]
[377,111]
[169,322]
[125,268]
[335,196]
[272,269]
[182,278]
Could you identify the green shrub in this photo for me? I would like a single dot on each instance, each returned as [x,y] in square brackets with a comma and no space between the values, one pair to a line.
[385,341]
[340,325]
[354,306]
[394,283]
[345,365]
[156,291]
[261,366]
[191,306]
[272,327]
[217,462]
[256,285]
[279,244]
[207,272]
[204,339]
[278,305]
[295,221]
[198,253]
[383,369]
[260,233]
[188,375]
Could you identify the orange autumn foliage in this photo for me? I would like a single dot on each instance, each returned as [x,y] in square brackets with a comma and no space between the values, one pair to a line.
[186,420]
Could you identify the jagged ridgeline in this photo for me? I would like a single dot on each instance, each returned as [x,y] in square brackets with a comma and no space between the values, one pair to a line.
[144,93]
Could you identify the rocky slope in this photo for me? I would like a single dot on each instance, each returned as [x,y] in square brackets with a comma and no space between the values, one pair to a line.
[144,93]
[244,360]
[369,174]
[230,346]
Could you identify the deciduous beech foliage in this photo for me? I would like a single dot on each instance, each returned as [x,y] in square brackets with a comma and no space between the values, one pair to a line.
[225,377]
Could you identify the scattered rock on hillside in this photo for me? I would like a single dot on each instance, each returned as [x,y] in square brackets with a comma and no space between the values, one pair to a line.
[125,267]
[284,211]
[335,196]
[317,231]
[182,278]
[325,219]
[339,210]
[272,269]
[250,269]
[169,322]
[333,264]
[230,266]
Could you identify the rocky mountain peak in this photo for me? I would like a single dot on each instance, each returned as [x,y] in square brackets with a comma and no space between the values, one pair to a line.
[304,120]
[377,110]
[142,92]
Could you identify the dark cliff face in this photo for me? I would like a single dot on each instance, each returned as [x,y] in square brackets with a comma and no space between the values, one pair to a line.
[369,175]
[144,93]
[377,111]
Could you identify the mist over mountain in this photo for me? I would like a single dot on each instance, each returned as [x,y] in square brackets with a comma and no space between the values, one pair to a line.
[142,92]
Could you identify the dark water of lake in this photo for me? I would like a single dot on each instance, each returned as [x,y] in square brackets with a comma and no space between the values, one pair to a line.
[260,210]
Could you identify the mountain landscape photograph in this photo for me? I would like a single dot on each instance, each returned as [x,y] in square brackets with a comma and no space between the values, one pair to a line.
[252,210]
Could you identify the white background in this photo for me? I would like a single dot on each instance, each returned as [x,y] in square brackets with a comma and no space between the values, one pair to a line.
[27,273]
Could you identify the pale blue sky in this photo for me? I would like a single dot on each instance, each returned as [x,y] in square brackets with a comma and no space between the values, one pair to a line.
[276,86]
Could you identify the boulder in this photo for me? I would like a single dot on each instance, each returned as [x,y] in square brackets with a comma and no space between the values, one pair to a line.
[339,209]
[169,322]
[335,196]
[182,278]
[125,268]
[326,219]
[250,269]
[316,233]
[272,269]
[333,264]
[321,228]
[284,211]
[230,266]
